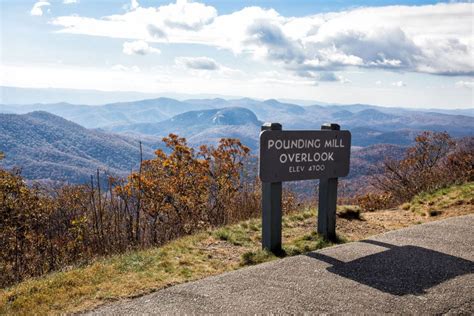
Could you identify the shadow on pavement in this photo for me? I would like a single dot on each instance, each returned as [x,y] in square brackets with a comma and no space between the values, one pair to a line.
[400,270]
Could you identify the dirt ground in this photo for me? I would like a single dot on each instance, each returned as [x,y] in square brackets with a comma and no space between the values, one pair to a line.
[372,223]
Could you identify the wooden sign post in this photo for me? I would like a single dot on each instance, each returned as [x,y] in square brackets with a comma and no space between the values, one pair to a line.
[327,202]
[301,155]
[271,207]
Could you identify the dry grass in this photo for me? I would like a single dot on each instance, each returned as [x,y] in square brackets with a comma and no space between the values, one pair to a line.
[454,201]
[139,272]
[349,211]
[212,252]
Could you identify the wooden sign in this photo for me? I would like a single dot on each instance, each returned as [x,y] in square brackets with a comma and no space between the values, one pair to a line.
[304,155]
[301,155]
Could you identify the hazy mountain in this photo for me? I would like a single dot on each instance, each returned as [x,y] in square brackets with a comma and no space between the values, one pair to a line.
[151,110]
[369,160]
[272,110]
[16,95]
[205,126]
[47,146]
[209,103]
[467,112]
[370,124]
[397,110]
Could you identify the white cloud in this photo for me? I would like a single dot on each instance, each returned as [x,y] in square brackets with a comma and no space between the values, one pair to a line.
[186,15]
[156,32]
[134,4]
[322,76]
[434,39]
[399,84]
[328,76]
[37,9]
[378,83]
[465,84]
[120,67]
[344,80]
[258,84]
[200,63]
[70,1]
[139,48]
[208,68]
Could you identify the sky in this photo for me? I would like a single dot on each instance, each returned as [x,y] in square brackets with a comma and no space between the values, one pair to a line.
[390,53]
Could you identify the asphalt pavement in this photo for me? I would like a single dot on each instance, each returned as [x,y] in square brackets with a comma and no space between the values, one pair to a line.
[421,269]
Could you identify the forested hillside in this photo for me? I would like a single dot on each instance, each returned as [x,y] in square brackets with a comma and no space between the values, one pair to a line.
[46,146]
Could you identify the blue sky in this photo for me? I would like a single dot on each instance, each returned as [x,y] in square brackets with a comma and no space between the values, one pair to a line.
[394,53]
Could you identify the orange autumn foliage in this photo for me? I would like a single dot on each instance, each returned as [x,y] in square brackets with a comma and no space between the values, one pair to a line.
[178,192]
[433,162]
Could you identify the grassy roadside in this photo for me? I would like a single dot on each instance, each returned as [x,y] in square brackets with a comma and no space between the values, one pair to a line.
[448,202]
[139,272]
[213,252]
[433,204]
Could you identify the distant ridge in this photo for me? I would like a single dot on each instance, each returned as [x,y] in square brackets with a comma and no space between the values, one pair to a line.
[150,116]
[204,126]
[28,96]
[19,95]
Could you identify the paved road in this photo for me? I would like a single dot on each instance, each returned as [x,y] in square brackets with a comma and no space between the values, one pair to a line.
[422,269]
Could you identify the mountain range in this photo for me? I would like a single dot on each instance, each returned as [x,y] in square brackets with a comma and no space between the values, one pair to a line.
[68,142]
[205,126]
[369,124]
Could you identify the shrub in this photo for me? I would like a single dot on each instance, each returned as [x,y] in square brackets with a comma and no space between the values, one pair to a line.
[256,257]
[349,212]
[460,163]
[371,202]
[434,161]
[434,213]
[406,206]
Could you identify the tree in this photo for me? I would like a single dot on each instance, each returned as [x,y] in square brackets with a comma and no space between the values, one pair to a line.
[179,191]
[187,190]
[422,169]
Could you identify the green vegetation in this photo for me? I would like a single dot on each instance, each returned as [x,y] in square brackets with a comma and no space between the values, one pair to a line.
[433,203]
[236,235]
[349,211]
[256,257]
[305,243]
